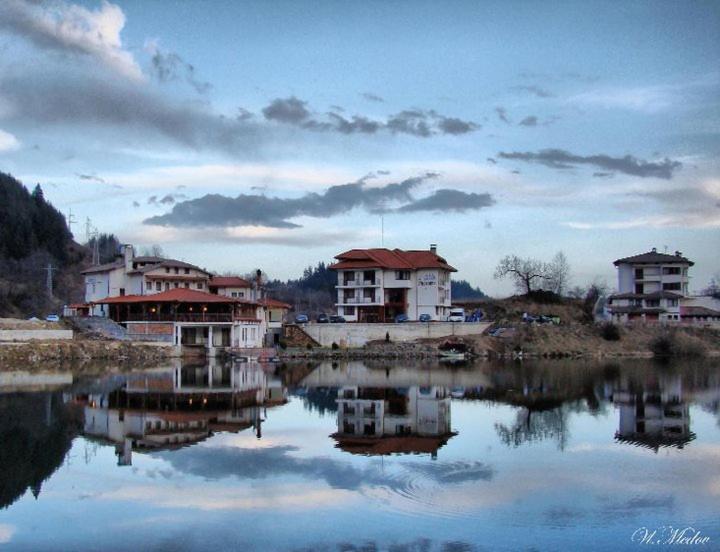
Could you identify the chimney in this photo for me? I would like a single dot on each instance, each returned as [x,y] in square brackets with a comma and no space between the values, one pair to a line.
[678,253]
[433,248]
[128,255]
[654,249]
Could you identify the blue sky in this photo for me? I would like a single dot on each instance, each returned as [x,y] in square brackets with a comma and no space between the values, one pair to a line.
[488,128]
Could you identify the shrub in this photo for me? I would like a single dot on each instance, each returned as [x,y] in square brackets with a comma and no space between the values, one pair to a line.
[335,346]
[610,332]
[673,344]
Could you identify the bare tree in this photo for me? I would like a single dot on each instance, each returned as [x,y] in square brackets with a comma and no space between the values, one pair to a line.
[153,251]
[558,274]
[713,287]
[526,273]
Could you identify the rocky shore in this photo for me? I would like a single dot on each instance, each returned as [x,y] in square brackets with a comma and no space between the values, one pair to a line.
[41,352]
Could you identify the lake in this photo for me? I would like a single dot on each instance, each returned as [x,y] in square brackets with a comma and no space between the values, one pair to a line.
[395,456]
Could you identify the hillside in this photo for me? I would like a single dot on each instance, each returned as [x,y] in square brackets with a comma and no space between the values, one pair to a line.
[33,236]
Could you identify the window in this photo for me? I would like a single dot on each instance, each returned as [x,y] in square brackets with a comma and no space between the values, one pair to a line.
[672,302]
[672,286]
[652,303]
[148,285]
[158,286]
[402,274]
[234,294]
[638,273]
[349,311]
[241,294]
[671,270]
[638,288]
[187,285]
[167,270]
[369,294]
[177,270]
[348,277]
[369,276]
[199,285]
[177,284]
[122,292]
[187,271]
[167,286]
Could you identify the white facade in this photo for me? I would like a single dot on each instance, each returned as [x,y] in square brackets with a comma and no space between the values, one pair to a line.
[410,292]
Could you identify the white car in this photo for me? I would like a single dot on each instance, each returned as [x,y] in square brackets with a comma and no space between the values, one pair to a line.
[52,318]
[457,315]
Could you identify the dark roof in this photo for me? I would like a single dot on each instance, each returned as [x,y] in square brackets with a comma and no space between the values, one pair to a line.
[384,445]
[390,259]
[229,281]
[653,295]
[636,310]
[170,263]
[103,267]
[697,311]
[653,257]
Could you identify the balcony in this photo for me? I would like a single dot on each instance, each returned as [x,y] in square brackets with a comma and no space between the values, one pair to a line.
[358,284]
[358,301]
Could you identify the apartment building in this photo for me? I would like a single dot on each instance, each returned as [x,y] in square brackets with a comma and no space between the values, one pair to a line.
[376,285]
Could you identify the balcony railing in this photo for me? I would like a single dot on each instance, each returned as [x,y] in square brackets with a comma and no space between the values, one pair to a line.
[358,300]
[360,283]
[181,317]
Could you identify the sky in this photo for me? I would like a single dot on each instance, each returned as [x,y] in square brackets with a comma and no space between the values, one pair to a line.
[278,134]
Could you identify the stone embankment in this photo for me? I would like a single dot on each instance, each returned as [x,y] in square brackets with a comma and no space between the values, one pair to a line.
[37,353]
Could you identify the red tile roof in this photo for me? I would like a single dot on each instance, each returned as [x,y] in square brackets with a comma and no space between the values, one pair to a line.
[229,281]
[274,303]
[394,259]
[175,295]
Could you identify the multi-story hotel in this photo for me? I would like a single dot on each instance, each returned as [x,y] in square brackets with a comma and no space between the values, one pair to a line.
[376,285]
[651,287]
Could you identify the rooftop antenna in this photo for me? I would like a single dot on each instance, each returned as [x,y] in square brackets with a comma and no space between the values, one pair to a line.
[666,248]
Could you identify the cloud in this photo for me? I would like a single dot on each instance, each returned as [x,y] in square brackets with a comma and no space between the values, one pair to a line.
[74,98]
[535,91]
[214,210]
[288,110]
[415,122]
[529,121]
[561,159]
[72,30]
[603,175]
[91,177]
[169,66]
[135,204]
[275,212]
[502,114]
[369,96]
[446,200]
[266,462]
[6,532]
[8,142]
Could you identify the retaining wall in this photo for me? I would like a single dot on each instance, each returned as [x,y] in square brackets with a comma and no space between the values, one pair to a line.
[355,334]
[28,335]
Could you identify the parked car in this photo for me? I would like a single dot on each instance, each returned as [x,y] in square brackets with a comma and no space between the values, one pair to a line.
[400,318]
[322,318]
[301,319]
[52,318]
[337,319]
[457,315]
[425,318]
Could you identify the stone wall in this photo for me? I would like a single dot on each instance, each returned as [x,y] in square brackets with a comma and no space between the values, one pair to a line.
[151,331]
[355,334]
[30,335]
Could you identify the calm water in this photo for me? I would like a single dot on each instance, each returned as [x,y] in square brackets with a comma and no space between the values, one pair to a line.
[400,457]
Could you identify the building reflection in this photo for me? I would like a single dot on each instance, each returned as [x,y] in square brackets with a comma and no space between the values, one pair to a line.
[652,414]
[387,420]
[170,409]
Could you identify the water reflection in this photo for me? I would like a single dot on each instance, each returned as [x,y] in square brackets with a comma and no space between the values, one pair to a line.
[352,452]
[169,409]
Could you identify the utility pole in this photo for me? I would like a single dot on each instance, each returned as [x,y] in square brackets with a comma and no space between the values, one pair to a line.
[70,219]
[48,278]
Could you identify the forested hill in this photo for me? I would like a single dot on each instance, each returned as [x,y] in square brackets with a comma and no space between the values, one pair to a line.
[33,236]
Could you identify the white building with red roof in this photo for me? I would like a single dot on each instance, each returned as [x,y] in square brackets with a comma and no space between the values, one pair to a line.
[376,285]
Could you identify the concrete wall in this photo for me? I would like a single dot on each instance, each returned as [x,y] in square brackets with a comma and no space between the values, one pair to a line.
[27,335]
[356,335]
